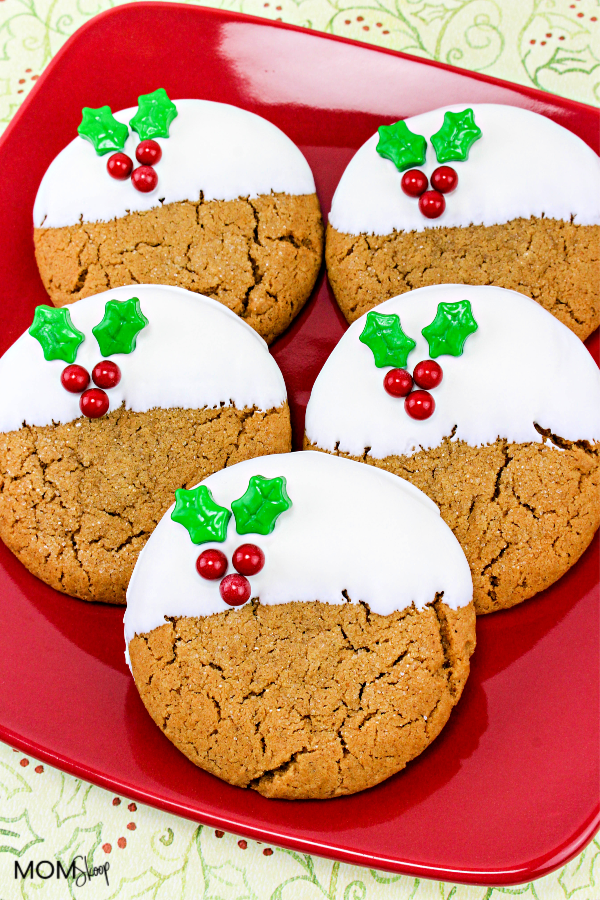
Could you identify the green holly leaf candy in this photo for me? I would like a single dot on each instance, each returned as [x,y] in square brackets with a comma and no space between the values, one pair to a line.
[154,115]
[117,332]
[56,333]
[398,143]
[100,127]
[383,335]
[258,509]
[452,325]
[456,136]
[204,519]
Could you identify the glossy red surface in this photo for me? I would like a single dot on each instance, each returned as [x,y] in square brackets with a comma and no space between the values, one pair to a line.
[510,789]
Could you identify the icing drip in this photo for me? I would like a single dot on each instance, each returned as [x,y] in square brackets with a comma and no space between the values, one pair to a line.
[517,369]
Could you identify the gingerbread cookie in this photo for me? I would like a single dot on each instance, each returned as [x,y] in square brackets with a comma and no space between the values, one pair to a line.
[490,406]
[107,408]
[487,194]
[301,625]
[222,203]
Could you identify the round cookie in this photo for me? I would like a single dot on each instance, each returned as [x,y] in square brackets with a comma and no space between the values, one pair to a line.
[352,651]
[198,391]
[234,214]
[511,452]
[524,215]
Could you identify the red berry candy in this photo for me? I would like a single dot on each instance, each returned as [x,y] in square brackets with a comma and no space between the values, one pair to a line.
[148,153]
[414,182]
[211,564]
[431,203]
[398,382]
[235,590]
[444,179]
[119,166]
[428,374]
[75,379]
[106,374]
[94,403]
[248,559]
[144,179]
[419,405]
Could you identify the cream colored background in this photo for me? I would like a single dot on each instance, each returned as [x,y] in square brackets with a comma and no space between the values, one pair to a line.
[44,814]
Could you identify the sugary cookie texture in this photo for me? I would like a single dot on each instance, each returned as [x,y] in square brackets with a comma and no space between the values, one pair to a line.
[110,405]
[201,195]
[301,625]
[490,406]
[472,194]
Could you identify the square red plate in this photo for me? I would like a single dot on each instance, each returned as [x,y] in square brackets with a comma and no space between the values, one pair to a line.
[510,789]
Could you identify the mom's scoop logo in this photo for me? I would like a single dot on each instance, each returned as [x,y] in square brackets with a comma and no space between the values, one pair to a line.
[79,872]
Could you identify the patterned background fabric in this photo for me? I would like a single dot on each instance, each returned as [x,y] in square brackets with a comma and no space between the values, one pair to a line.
[549,44]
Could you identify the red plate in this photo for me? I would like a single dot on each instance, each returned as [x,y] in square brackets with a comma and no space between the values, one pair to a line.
[510,789]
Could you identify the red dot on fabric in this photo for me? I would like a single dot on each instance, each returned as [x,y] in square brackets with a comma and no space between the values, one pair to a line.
[385,32]
[279,8]
[21,81]
[34,77]
[543,44]
[116,801]
[366,28]
[219,834]
[24,763]
[532,42]
[39,769]
[122,843]
[360,18]
[235,590]
[28,70]
[19,92]
[242,844]
[267,852]
[548,35]
[593,19]
[132,807]
[346,21]
[248,559]
[107,848]
[131,826]
[562,37]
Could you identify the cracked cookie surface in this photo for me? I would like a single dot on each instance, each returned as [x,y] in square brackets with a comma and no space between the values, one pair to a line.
[305,700]
[78,501]
[258,257]
[554,262]
[522,513]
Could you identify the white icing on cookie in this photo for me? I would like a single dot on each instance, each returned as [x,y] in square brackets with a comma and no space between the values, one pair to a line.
[219,150]
[351,528]
[193,353]
[521,366]
[523,165]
